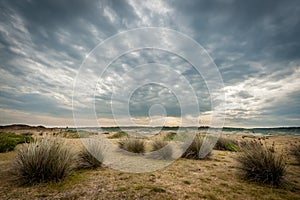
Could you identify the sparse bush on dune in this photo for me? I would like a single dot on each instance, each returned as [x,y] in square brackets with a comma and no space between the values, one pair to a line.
[8,141]
[118,135]
[193,152]
[261,163]
[226,144]
[132,145]
[42,161]
[92,155]
[161,150]
[295,151]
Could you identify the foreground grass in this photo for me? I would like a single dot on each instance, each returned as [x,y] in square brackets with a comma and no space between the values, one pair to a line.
[216,178]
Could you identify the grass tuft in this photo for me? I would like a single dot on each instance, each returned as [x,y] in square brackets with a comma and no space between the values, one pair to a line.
[260,163]
[161,150]
[170,136]
[226,144]
[193,152]
[132,145]
[92,156]
[42,161]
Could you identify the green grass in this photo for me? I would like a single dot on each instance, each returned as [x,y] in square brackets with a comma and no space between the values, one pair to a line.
[118,135]
[8,141]
[226,144]
[170,136]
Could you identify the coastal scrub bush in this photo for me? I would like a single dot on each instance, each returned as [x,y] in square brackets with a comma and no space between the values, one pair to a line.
[161,150]
[92,155]
[193,152]
[170,136]
[42,161]
[226,144]
[295,151]
[260,163]
[118,135]
[132,145]
[8,141]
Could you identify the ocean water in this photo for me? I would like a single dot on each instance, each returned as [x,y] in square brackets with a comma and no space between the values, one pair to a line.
[147,131]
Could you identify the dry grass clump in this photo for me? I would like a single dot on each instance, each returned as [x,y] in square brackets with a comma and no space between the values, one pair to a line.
[193,152]
[42,161]
[295,151]
[170,136]
[92,155]
[161,150]
[261,163]
[226,144]
[132,145]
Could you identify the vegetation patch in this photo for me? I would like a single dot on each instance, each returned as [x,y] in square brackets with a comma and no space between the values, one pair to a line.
[193,152]
[226,144]
[132,145]
[161,150]
[261,163]
[170,136]
[92,155]
[118,135]
[42,161]
[8,141]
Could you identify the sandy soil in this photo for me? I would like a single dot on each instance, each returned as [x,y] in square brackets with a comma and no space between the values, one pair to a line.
[216,178]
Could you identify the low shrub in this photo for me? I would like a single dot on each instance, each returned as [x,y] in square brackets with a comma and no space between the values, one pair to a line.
[261,163]
[132,145]
[42,161]
[8,141]
[170,136]
[161,150]
[193,152]
[295,151]
[226,144]
[92,155]
[118,135]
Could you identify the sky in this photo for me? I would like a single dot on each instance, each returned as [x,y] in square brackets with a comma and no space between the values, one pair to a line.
[46,48]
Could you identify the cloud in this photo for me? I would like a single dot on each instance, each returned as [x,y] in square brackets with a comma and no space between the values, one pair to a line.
[255,45]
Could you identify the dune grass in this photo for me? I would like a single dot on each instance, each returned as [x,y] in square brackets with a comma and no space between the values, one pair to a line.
[226,144]
[260,163]
[119,134]
[91,156]
[161,150]
[42,161]
[193,151]
[8,141]
[133,145]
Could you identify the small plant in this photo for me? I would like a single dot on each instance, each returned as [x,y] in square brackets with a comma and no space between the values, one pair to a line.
[91,156]
[8,141]
[226,144]
[118,135]
[261,163]
[295,151]
[170,136]
[161,150]
[42,161]
[193,152]
[132,145]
